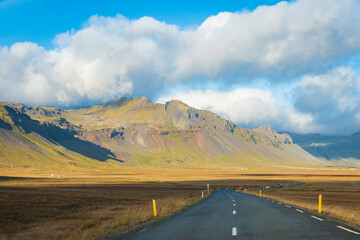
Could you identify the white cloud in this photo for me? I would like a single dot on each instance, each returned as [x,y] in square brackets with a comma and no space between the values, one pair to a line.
[285,39]
[113,56]
[248,107]
[333,99]
[326,103]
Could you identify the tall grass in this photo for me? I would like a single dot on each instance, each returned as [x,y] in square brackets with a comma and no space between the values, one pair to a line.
[134,217]
[87,212]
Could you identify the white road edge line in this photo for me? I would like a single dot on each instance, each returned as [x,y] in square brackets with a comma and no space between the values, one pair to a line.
[320,219]
[343,228]
[279,203]
[234,212]
[299,210]
[288,206]
[234,233]
[142,230]
[272,201]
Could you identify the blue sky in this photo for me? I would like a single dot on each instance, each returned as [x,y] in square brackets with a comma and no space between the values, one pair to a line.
[291,65]
[40,20]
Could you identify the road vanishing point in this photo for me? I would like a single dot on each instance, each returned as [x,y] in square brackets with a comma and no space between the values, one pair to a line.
[232,215]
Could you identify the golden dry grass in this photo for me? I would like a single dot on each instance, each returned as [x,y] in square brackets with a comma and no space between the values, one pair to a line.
[137,174]
[84,205]
[83,211]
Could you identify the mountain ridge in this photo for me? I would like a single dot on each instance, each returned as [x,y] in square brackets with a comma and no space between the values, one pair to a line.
[138,132]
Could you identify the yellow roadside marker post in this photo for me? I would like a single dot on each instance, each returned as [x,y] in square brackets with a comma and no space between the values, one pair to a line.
[260,193]
[320,202]
[244,190]
[154,205]
[202,194]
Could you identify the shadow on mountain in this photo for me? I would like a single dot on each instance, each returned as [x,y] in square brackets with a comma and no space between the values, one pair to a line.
[329,147]
[5,125]
[56,135]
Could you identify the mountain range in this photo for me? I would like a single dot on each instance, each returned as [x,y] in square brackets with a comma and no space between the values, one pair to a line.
[138,132]
[345,148]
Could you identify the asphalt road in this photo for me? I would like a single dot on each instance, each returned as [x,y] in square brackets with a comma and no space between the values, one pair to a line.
[232,215]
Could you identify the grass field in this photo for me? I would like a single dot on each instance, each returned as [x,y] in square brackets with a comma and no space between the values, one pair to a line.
[85,205]
[82,211]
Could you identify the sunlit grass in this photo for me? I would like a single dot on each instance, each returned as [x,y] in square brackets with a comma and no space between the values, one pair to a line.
[80,205]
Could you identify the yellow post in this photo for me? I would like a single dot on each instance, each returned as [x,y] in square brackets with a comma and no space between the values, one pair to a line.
[154,205]
[208,191]
[320,202]
[244,190]
[260,193]
[202,194]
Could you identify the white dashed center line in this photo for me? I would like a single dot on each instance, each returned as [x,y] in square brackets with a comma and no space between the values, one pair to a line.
[234,212]
[142,230]
[317,218]
[279,203]
[348,230]
[234,204]
[234,232]
[299,210]
[229,196]
[288,206]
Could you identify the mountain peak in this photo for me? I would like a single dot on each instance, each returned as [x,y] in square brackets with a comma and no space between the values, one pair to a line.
[116,102]
[274,136]
[143,98]
[11,104]
[265,128]
[175,104]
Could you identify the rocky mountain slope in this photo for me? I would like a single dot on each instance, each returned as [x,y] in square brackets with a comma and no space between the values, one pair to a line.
[138,132]
[27,143]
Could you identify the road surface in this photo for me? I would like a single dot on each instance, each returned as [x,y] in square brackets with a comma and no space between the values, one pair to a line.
[231,215]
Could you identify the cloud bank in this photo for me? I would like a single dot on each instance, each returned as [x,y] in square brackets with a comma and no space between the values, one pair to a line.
[327,103]
[113,56]
[248,107]
[333,99]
